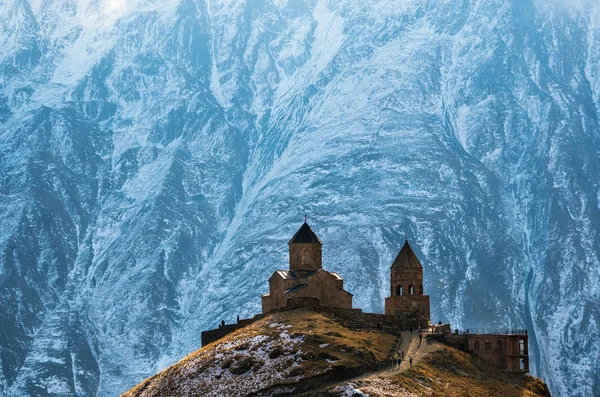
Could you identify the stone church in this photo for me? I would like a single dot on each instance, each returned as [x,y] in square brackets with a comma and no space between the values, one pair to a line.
[307,285]
[406,288]
[306,277]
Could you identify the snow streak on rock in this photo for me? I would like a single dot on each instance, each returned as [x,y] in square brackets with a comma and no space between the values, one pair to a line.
[155,157]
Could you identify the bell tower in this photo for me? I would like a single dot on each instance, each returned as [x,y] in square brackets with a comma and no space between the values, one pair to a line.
[407,299]
[305,250]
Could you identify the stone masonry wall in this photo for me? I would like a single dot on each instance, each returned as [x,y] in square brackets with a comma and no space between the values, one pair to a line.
[216,334]
[349,318]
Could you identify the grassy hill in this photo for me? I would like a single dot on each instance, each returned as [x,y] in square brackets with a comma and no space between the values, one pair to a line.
[446,372]
[303,352]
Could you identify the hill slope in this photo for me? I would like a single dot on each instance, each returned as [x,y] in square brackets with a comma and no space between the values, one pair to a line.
[446,372]
[302,352]
[279,353]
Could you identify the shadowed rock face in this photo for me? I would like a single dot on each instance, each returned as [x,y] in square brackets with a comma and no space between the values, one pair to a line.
[156,157]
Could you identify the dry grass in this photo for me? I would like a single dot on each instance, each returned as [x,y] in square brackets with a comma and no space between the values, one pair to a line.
[285,350]
[451,373]
[281,349]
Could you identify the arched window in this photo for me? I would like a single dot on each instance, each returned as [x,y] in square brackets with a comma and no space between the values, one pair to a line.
[477,344]
[488,344]
[399,290]
[421,289]
[499,344]
[411,290]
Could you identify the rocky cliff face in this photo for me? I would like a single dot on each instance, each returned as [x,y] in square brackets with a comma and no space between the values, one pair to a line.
[155,157]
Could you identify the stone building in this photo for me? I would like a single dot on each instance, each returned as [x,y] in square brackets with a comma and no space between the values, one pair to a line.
[505,351]
[306,277]
[307,285]
[508,351]
[407,300]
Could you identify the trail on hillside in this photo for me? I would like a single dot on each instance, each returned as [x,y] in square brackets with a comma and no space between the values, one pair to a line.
[412,348]
[415,349]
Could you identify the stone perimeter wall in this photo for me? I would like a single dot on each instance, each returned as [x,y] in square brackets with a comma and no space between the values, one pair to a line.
[218,333]
[349,318]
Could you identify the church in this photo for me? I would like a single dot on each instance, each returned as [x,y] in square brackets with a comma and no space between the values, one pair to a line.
[307,285]
[306,278]
[406,287]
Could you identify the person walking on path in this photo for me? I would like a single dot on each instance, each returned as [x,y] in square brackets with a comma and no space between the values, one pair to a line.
[420,339]
[395,360]
[410,361]
[402,354]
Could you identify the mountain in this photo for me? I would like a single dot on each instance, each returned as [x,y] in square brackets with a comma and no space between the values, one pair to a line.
[309,354]
[156,156]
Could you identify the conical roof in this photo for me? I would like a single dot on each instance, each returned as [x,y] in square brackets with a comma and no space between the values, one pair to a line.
[305,235]
[406,258]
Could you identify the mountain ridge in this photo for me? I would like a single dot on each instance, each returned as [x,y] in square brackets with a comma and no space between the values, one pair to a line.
[156,156]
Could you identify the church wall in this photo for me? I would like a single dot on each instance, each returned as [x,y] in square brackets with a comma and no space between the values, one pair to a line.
[416,306]
[275,297]
[266,303]
[276,291]
[289,284]
[327,288]
[406,277]
[352,318]
[305,257]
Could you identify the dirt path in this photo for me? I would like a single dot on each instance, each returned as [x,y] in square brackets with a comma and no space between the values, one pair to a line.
[412,348]
[410,345]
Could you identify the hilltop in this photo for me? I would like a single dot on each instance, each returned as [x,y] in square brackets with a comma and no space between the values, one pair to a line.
[444,372]
[307,353]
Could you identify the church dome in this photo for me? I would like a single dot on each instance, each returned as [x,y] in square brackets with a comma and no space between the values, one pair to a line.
[305,235]
[406,258]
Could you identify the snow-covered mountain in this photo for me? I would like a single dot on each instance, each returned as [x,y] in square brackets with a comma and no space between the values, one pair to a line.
[156,156]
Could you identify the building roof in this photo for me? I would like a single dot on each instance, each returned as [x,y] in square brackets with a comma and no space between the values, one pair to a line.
[305,235]
[285,274]
[301,274]
[294,289]
[406,258]
[336,275]
[289,275]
